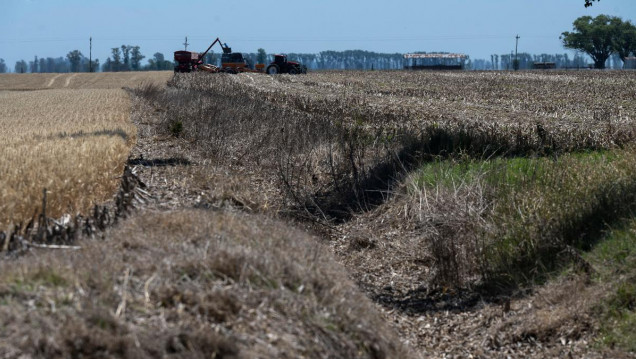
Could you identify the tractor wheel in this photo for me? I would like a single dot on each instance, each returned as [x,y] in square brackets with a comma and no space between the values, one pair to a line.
[293,71]
[272,69]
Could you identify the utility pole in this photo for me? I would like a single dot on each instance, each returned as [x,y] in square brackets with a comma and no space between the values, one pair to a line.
[516,47]
[186,43]
[90,54]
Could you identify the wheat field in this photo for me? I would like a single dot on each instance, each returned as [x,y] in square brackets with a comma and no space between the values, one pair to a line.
[67,133]
[103,80]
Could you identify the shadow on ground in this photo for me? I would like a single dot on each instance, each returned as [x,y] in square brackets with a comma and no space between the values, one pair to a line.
[159,162]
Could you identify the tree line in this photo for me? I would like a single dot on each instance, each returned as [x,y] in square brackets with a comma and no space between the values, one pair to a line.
[124,58]
[128,58]
[608,40]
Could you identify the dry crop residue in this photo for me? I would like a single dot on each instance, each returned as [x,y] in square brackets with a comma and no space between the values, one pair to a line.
[69,133]
[73,143]
[172,276]
[101,80]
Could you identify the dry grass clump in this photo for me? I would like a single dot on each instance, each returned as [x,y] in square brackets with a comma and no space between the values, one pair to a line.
[190,284]
[337,138]
[101,80]
[73,143]
[234,128]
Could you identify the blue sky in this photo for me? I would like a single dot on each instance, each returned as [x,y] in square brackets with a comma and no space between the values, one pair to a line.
[475,27]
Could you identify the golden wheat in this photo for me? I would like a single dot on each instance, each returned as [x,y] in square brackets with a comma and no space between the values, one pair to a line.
[103,80]
[74,143]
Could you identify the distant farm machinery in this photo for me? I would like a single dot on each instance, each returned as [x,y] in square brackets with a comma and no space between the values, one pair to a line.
[233,63]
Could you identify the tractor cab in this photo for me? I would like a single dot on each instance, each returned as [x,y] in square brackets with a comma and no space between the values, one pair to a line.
[280,60]
[282,66]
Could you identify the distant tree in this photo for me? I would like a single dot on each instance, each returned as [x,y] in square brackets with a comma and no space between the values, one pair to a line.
[625,42]
[34,65]
[594,36]
[115,64]
[20,66]
[3,66]
[125,50]
[75,58]
[108,65]
[50,64]
[135,58]
[261,56]
[42,66]
[86,67]
[158,62]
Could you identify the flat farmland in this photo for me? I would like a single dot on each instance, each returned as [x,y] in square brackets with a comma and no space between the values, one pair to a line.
[426,181]
[577,110]
[103,80]
[69,134]
[395,214]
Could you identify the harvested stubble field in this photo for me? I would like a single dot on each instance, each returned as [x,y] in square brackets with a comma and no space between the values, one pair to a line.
[484,183]
[455,201]
[106,80]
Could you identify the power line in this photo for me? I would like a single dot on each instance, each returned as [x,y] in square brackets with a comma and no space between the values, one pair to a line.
[338,39]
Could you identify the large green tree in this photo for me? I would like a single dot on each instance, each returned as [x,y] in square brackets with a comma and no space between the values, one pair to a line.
[595,36]
[625,42]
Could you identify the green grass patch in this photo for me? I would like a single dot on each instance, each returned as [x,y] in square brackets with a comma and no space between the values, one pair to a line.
[539,206]
[614,258]
[505,173]
[49,277]
[508,172]
[30,281]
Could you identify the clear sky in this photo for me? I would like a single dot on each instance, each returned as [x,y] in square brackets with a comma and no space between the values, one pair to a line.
[478,28]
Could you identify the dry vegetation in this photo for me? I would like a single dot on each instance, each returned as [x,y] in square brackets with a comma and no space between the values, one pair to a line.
[73,143]
[527,170]
[448,197]
[105,80]
[70,133]
[182,284]
[195,284]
